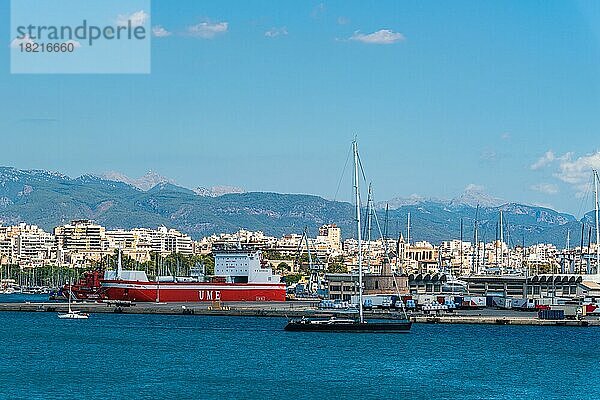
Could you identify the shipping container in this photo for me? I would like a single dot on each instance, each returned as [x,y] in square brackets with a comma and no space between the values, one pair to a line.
[523,304]
[382,301]
[551,314]
[571,311]
[473,302]
[502,302]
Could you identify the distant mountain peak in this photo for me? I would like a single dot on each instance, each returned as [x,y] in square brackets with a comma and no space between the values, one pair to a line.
[12,173]
[472,196]
[216,191]
[475,195]
[145,182]
[48,199]
[399,201]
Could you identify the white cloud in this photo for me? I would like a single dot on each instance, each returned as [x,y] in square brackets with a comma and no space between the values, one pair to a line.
[274,32]
[505,136]
[577,171]
[159,31]
[382,36]
[544,160]
[138,18]
[207,30]
[567,168]
[17,42]
[546,188]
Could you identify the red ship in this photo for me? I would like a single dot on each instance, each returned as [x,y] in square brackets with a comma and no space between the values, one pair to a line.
[88,288]
[240,275]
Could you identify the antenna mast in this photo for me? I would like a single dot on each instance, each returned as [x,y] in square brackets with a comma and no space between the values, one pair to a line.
[357,195]
[597,231]
[501,245]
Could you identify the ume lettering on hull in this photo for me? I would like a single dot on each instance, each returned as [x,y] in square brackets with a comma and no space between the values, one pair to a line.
[192,292]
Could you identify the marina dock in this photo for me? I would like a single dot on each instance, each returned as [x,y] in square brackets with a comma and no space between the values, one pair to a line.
[295,310]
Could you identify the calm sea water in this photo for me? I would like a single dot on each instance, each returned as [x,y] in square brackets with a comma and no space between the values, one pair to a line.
[113,356]
[21,298]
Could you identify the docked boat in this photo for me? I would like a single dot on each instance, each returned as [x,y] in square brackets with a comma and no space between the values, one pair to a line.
[8,286]
[240,275]
[87,288]
[347,324]
[72,314]
[454,286]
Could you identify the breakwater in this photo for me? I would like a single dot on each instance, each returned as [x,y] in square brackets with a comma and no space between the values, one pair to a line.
[292,310]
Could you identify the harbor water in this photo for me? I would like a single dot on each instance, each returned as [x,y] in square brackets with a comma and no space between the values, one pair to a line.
[207,357]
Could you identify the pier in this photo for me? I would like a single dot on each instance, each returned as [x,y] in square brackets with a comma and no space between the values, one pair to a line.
[295,310]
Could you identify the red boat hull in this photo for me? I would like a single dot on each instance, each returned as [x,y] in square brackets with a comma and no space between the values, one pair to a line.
[191,291]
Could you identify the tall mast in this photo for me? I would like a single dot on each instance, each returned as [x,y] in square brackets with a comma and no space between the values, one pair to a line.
[496,240]
[501,244]
[461,247]
[476,240]
[70,294]
[597,231]
[357,195]
[407,245]
[588,264]
[385,230]
[119,265]
[158,260]
[581,258]
[568,253]
[369,225]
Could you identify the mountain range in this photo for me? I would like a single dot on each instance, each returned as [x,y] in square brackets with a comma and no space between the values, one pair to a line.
[48,199]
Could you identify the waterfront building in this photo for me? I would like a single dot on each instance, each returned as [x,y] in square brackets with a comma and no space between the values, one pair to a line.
[537,286]
[426,283]
[342,286]
[257,240]
[139,243]
[26,245]
[6,246]
[80,242]
[421,258]
[331,235]
[34,247]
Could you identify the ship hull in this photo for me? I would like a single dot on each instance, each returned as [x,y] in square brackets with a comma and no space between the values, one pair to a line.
[191,292]
[381,327]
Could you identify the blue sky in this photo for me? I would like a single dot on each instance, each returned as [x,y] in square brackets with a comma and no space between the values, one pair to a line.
[267,95]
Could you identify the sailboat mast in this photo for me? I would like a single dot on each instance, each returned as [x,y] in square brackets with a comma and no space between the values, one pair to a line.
[407,245]
[408,230]
[461,246]
[119,265]
[357,195]
[476,240]
[581,258]
[501,244]
[70,294]
[597,231]
[369,227]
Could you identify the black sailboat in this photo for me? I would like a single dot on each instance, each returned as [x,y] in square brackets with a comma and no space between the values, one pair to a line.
[334,324]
